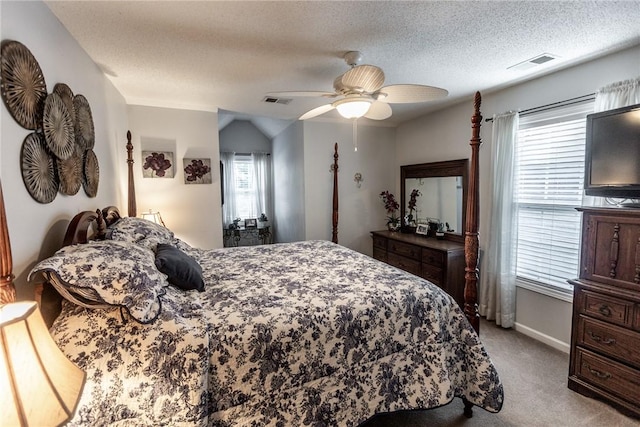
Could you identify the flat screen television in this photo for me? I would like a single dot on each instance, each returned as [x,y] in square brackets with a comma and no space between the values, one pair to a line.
[612,154]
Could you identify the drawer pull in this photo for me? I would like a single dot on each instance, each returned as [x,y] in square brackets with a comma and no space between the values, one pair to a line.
[598,338]
[605,310]
[599,374]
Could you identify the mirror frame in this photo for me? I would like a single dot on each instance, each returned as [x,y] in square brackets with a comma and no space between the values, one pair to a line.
[458,167]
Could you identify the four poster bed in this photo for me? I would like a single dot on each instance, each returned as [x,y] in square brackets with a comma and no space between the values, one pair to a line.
[304,333]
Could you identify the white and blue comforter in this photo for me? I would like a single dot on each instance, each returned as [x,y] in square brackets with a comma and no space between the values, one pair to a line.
[307,333]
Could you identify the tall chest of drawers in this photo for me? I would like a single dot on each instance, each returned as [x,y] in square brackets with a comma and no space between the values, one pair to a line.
[439,261]
[605,338]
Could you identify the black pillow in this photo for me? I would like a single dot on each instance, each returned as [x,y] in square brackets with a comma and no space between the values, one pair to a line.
[183,271]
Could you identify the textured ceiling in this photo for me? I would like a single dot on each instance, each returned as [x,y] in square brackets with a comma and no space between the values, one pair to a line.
[211,55]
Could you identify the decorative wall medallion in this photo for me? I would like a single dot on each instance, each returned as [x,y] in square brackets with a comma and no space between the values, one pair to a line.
[197,171]
[38,169]
[66,94]
[70,172]
[85,136]
[90,173]
[22,85]
[157,164]
[58,127]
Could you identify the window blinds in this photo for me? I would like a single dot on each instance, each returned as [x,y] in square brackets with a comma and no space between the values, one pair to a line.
[549,186]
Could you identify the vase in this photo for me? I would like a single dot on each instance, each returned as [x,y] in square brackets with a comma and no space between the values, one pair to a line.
[393,226]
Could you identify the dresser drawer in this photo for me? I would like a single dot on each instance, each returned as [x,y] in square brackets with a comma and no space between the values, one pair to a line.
[380,254]
[433,257]
[379,242]
[611,340]
[404,263]
[404,249]
[432,274]
[607,308]
[614,377]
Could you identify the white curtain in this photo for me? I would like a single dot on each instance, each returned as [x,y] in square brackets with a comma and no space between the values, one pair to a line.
[229,206]
[619,94]
[498,281]
[262,176]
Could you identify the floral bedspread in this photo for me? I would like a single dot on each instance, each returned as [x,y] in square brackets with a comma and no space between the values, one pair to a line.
[306,333]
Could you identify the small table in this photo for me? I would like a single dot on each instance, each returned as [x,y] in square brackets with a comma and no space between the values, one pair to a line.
[247,236]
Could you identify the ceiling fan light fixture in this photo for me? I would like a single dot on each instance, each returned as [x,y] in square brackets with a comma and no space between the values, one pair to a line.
[353,108]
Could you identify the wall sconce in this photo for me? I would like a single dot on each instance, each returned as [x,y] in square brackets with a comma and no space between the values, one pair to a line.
[153,217]
[358,179]
[40,386]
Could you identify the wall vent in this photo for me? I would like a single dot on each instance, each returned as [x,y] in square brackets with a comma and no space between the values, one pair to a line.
[274,100]
[533,62]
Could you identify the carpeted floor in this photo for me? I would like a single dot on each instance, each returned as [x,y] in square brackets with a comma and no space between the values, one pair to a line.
[536,394]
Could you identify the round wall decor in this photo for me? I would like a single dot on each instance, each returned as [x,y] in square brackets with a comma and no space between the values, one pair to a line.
[38,169]
[58,127]
[70,173]
[66,94]
[22,86]
[85,136]
[90,173]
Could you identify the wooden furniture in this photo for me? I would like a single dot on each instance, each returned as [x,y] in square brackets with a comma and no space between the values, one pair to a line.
[470,222]
[443,196]
[439,261]
[605,338]
[248,236]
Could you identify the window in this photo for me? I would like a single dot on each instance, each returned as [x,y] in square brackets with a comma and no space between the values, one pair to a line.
[247,186]
[549,186]
[244,187]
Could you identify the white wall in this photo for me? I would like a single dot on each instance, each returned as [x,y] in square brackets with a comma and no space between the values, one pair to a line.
[444,135]
[36,229]
[361,209]
[193,212]
[241,136]
[288,184]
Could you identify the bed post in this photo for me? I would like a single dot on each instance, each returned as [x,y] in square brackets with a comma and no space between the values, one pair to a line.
[132,190]
[7,288]
[471,241]
[334,169]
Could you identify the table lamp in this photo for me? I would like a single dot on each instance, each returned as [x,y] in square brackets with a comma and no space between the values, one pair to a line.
[40,386]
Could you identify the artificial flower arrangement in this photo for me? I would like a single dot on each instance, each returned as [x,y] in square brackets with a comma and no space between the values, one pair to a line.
[392,206]
[412,205]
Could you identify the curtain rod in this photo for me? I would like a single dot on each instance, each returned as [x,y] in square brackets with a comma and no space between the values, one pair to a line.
[571,101]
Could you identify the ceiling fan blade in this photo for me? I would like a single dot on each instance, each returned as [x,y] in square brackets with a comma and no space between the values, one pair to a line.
[308,93]
[378,111]
[407,93]
[316,111]
[368,78]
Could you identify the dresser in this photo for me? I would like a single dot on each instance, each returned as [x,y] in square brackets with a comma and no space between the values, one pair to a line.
[605,337]
[439,261]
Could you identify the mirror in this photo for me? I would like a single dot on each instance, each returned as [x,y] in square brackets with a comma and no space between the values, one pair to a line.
[443,195]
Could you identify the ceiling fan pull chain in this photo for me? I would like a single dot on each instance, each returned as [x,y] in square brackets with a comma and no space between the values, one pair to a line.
[355,134]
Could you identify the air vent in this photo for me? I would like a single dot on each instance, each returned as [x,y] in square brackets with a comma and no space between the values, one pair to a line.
[533,62]
[273,100]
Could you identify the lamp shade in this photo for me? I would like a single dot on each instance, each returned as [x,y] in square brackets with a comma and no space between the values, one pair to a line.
[153,217]
[353,107]
[40,386]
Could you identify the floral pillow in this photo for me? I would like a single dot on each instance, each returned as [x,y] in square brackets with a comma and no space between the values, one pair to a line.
[107,273]
[140,231]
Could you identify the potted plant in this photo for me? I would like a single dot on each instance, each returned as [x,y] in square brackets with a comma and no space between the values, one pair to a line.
[263,221]
[392,206]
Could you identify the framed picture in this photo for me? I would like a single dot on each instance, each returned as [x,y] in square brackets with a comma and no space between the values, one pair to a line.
[250,223]
[422,229]
[157,164]
[197,171]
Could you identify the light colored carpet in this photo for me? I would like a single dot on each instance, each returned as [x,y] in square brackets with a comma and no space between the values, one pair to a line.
[534,376]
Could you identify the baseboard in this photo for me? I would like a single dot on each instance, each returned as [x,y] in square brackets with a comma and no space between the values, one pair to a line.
[539,336]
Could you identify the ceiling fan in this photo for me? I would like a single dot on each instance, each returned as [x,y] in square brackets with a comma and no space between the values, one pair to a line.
[360,93]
